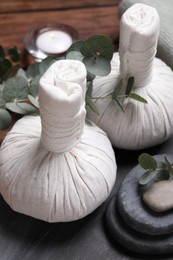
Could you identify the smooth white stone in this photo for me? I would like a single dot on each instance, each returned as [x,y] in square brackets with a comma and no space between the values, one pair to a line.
[160,196]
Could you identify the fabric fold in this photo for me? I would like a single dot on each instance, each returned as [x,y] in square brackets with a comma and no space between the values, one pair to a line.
[61,99]
[139,31]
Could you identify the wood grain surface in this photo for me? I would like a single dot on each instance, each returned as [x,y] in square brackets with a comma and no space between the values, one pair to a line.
[35,5]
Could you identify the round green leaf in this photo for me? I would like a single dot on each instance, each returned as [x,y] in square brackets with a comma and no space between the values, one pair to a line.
[74,55]
[98,66]
[2,52]
[27,107]
[33,101]
[11,72]
[21,108]
[101,45]
[91,104]
[15,54]
[45,64]
[75,47]
[5,119]
[147,162]
[147,177]
[90,76]
[16,88]
[2,102]
[34,85]
[33,70]
[162,175]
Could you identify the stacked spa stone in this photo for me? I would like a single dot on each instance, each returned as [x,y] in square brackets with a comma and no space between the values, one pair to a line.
[133,223]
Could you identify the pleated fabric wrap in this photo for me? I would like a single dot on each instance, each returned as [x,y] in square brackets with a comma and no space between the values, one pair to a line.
[55,167]
[164,9]
[140,125]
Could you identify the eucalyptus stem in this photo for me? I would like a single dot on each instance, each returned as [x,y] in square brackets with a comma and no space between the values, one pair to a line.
[109,96]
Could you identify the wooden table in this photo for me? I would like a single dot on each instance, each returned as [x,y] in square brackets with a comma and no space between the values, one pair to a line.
[23,237]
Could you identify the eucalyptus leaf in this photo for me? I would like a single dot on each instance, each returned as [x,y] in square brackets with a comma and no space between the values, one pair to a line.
[33,101]
[45,64]
[2,101]
[91,104]
[168,165]
[11,72]
[33,70]
[89,88]
[15,54]
[5,119]
[2,52]
[76,46]
[21,72]
[98,45]
[162,175]
[74,55]
[117,89]
[147,177]
[147,162]
[99,66]
[137,97]
[90,76]
[34,85]
[129,86]
[5,65]
[27,107]
[15,89]
[20,108]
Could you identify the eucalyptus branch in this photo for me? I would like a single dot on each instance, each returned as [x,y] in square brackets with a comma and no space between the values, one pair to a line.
[154,171]
[19,88]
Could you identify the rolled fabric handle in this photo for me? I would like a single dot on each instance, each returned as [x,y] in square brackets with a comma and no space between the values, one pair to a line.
[62,105]
[139,32]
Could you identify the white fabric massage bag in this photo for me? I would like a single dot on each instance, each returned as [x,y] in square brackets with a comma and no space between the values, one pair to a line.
[57,167]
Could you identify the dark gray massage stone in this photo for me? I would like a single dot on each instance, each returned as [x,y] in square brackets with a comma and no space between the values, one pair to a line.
[135,212]
[133,240]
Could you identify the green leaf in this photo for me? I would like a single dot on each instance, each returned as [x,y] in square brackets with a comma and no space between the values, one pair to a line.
[137,97]
[147,177]
[5,65]
[162,175]
[2,52]
[27,107]
[11,72]
[2,101]
[129,86]
[168,165]
[76,46]
[33,70]
[15,54]
[74,55]
[34,85]
[98,45]
[91,104]
[89,88]
[45,64]
[147,162]
[99,66]
[117,90]
[33,101]
[90,76]
[20,108]
[5,119]
[16,88]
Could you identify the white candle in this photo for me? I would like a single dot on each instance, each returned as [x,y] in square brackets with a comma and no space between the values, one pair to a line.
[54,41]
